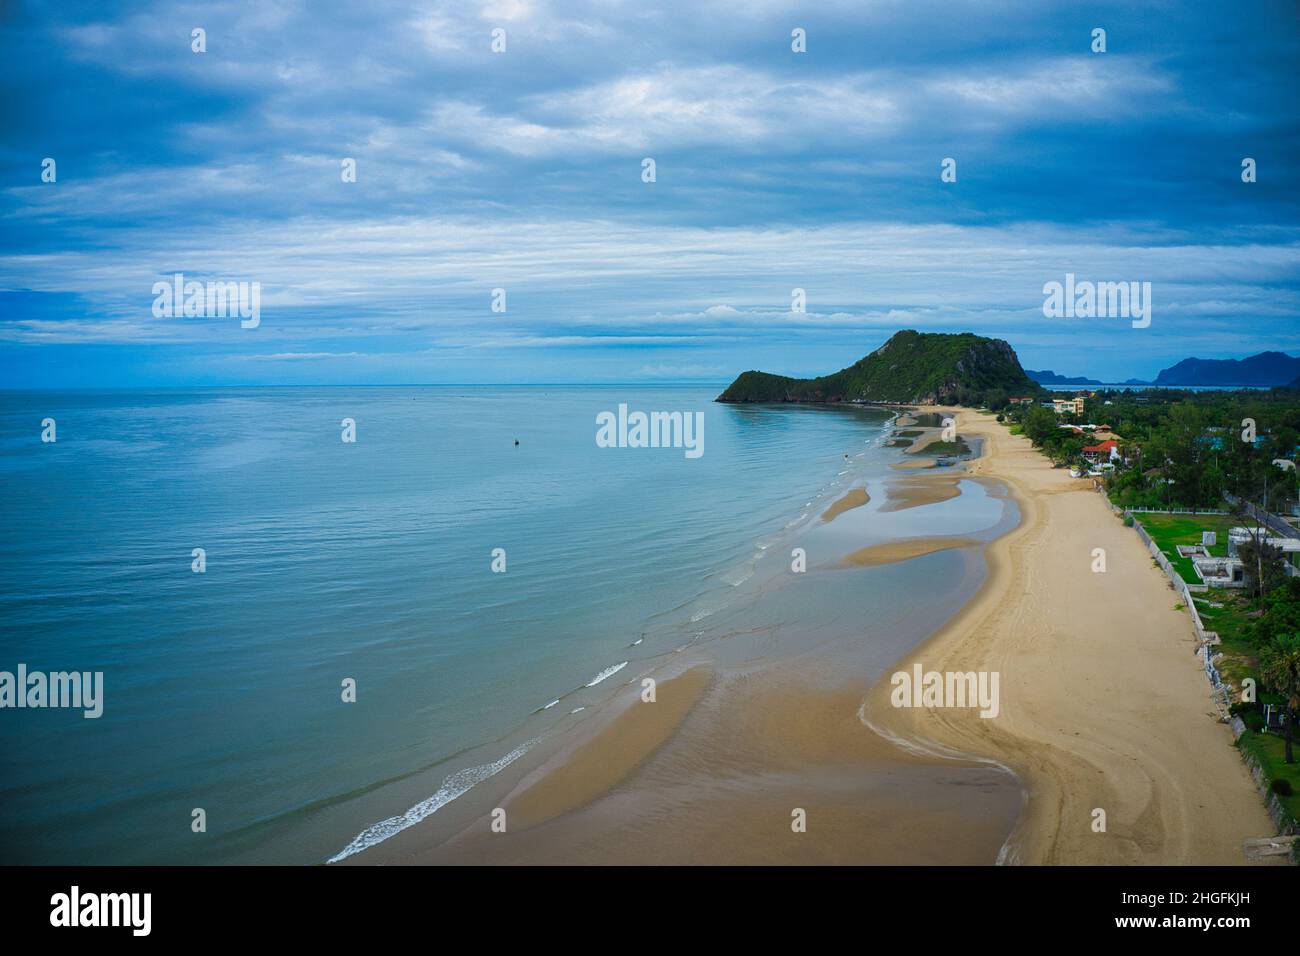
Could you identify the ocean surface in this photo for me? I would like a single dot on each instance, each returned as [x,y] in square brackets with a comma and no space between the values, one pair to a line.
[372,561]
[1122,387]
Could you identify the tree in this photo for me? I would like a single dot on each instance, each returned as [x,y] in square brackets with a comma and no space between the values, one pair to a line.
[1262,564]
[1039,424]
[1256,554]
[1280,668]
[1281,614]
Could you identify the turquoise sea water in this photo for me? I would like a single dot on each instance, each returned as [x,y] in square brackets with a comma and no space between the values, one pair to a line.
[372,561]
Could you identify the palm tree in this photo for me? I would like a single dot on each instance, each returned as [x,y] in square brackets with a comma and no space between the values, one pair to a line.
[1281,671]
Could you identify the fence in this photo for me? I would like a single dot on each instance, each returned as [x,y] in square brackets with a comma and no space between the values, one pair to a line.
[1175,578]
[1205,639]
[1266,518]
[1274,524]
[1219,690]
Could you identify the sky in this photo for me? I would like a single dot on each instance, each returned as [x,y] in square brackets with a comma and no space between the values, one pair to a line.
[522,170]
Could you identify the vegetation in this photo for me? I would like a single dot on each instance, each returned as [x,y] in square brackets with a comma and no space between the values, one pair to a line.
[1231,615]
[1281,671]
[1169,531]
[958,447]
[1182,449]
[911,368]
[1210,451]
[1267,749]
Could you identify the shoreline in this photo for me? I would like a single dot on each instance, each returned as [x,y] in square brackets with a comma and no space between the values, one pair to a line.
[1104,705]
[698,780]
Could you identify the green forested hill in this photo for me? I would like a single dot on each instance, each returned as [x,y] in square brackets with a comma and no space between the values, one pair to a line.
[914,368]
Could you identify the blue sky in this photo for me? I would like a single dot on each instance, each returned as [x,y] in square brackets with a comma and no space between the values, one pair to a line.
[522,170]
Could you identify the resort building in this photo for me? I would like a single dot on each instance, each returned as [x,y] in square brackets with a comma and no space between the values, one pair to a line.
[1107,450]
[1071,405]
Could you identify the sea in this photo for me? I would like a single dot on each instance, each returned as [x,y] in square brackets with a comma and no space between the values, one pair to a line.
[310,643]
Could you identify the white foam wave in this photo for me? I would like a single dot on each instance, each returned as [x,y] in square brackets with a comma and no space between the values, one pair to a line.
[607,672]
[456,785]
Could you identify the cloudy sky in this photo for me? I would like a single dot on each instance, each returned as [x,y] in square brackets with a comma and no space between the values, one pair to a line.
[522,170]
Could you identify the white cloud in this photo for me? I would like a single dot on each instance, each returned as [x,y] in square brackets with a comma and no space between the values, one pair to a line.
[684,371]
[1062,86]
[591,283]
[299,356]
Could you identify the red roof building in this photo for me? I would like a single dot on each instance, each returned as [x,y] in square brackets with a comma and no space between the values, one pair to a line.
[1106,448]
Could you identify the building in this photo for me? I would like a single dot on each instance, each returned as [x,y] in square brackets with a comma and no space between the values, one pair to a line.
[1218,572]
[1072,405]
[1021,400]
[1107,450]
[1239,536]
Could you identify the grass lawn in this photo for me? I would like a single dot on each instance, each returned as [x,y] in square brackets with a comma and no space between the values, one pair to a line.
[1169,531]
[1270,751]
[1229,623]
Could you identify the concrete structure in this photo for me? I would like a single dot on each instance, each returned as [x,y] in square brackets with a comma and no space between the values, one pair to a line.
[1063,405]
[1219,572]
[1239,536]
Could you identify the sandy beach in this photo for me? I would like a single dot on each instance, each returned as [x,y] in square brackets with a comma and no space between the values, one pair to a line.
[720,786]
[1103,706]
[1103,703]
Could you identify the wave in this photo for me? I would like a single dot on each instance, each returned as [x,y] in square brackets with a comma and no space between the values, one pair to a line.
[607,672]
[456,785]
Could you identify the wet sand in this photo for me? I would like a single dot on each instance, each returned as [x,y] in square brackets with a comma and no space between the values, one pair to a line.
[905,550]
[725,786]
[919,490]
[910,465]
[856,498]
[585,771]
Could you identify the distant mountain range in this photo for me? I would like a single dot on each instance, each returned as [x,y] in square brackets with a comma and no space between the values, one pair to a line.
[912,368]
[1048,377]
[1265,370]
